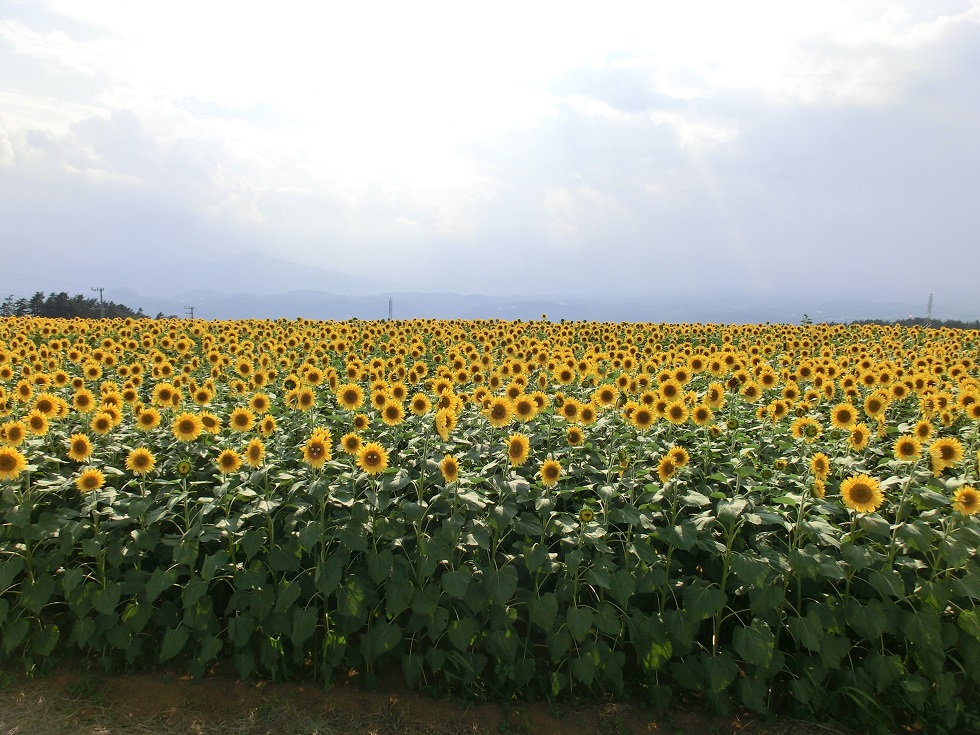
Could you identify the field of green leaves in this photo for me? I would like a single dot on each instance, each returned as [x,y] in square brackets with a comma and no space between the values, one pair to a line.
[773,517]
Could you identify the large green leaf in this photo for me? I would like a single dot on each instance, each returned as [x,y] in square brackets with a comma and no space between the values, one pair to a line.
[702,600]
[755,643]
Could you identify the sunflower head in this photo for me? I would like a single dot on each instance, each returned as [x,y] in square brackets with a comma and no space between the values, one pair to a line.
[586,515]
[90,479]
[862,494]
[966,500]
[449,468]
[550,472]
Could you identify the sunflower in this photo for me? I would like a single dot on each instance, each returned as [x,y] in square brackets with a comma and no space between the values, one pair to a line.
[605,395]
[90,479]
[228,461]
[79,447]
[642,418]
[820,465]
[305,398]
[876,404]
[350,396]
[317,450]
[13,433]
[862,493]
[202,396]
[586,515]
[101,423]
[859,436]
[525,407]
[499,412]
[372,458]
[843,416]
[445,422]
[420,404]
[36,423]
[449,468]
[147,419]
[819,488]
[575,436]
[241,419]
[806,428]
[676,413]
[666,468]
[254,452]
[907,448]
[945,453]
[187,427]
[570,409]
[360,421]
[140,461]
[260,402]
[923,430]
[267,426]
[351,443]
[550,471]
[47,404]
[966,500]
[518,449]
[184,467]
[702,414]
[679,456]
[392,414]
[83,401]
[587,414]
[12,463]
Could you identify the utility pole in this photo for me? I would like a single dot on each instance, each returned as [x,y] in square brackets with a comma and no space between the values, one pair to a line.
[189,310]
[391,305]
[100,289]
[929,312]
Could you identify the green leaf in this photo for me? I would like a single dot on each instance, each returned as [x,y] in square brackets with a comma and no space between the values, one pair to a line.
[173,642]
[755,643]
[501,583]
[105,600]
[621,586]
[213,563]
[580,622]
[683,536]
[426,601]
[543,611]
[13,633]
[869,621]
[380,565]
[887,582]
[327,576]
[304,624]
[9,571]
[884,669]
[44,641]
[462,632]
[286,594]
[702,601]
[808,631]
[750,568]
[969,622]
[583,669]
[719,671]
[456,582]
[398,595]
[160,580]
[309,535]
[194,590]
[35,596]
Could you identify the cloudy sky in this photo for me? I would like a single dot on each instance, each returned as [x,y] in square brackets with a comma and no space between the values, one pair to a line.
[690,147]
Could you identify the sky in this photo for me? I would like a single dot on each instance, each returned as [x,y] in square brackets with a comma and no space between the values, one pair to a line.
[702,147]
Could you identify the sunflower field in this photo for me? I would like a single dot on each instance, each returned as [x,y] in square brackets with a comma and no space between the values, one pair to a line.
[780,518]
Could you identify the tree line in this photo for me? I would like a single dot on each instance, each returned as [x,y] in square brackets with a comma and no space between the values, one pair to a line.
[61,305]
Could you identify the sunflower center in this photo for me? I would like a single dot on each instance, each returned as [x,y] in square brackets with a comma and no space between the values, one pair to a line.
[7,463]
[372,458]
[861,494]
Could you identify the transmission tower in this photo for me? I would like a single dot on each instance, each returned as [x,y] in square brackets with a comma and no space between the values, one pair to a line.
[189,310]
[100,289]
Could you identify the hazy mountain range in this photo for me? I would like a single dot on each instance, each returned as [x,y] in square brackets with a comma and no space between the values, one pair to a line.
[254,285]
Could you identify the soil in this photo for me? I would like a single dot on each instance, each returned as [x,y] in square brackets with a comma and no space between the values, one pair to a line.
[92,702]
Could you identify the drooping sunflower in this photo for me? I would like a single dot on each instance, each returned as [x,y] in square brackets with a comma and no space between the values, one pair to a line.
[820,465]
[228,461]
[90,479]
[254,452]
[449,468]
[862,494]
[966,500]
[518,449]
[550,472]
[187,427]
[12,463]
[79,447]
[907,448]
[140,461]
[372,458]
[945,453]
